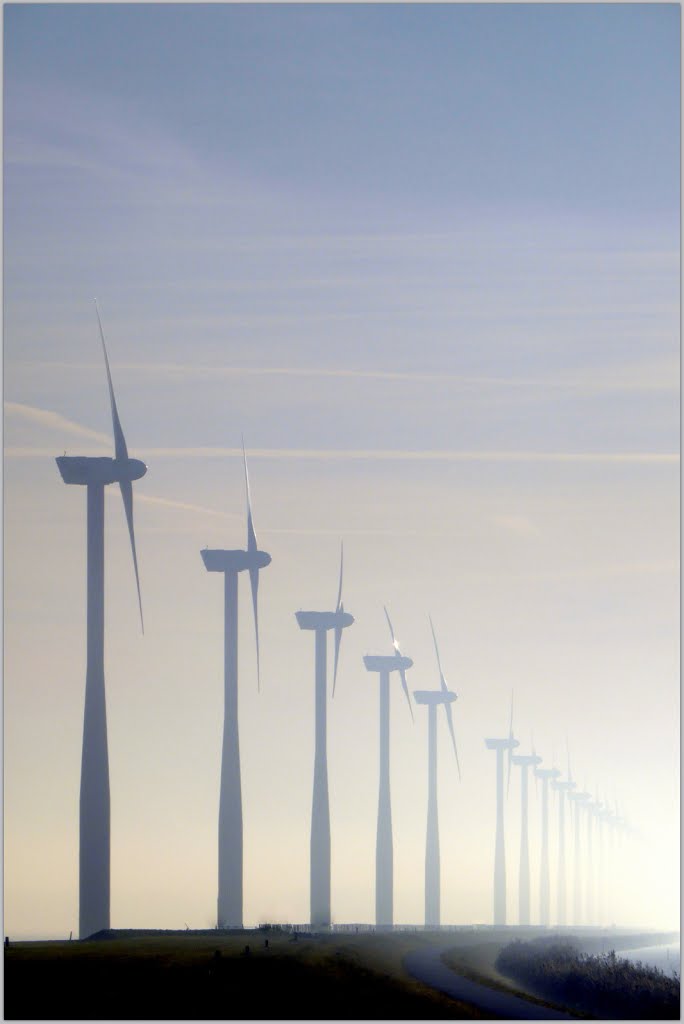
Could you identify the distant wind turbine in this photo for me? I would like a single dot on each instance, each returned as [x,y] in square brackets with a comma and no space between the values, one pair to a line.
[578,799]
[231,563]
[321,623]
[562,788]
[605,839]
[545,774]
[508,743]
[525,762]
[600,813]
[94,827]
[592,806]
[384,665]
[433,698]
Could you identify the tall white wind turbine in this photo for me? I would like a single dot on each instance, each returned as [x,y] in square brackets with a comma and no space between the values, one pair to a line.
[321,623]
[94,823]
[524,762]
[508,743]
[231,563]
[433,698]
[384,665]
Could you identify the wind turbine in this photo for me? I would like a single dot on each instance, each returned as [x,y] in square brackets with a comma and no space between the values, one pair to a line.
[545,774]
[320,623]
[94,822]
[600,813]
[525,762]
[384,665]
[231,563]
[508,743]
[592,806]
[433,698]
[562,788]
[606,838]
[578,799]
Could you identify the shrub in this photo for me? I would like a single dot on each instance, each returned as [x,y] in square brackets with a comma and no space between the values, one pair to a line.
[603,984]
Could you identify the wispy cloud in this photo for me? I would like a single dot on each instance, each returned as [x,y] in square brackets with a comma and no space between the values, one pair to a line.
[183,506]
[660,375]
[516,524]
[380,455]
[53,421]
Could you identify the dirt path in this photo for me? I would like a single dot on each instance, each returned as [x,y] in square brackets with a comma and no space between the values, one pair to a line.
[426,965]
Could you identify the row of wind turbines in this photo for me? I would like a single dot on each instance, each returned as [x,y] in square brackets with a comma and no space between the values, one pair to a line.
[95,473]
[589,878]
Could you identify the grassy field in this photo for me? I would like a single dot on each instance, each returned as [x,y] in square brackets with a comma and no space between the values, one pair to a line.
[211,976]
[194,975]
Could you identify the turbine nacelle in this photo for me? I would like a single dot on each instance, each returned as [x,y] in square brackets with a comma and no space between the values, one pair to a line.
[219,560]
[526,759]
[434,697]
[86,469]
[506,743]
[324,620]
[547,773]
[387,662]
[564,787]
[581,798]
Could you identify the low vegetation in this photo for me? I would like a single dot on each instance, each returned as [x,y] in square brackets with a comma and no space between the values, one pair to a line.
[220,976]
[603,985]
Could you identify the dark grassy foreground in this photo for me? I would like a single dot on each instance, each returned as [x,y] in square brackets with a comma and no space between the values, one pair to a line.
[602,984]
[209,976]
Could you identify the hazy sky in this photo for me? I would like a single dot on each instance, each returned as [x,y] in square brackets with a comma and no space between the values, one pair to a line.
[426,258]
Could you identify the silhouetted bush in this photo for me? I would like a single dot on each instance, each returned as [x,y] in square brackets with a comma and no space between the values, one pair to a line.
[603,984]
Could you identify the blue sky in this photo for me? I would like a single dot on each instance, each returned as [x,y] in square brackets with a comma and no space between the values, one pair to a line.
[426,259]
[558,106]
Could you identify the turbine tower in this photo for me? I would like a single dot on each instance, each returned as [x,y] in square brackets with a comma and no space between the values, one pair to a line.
[320,623]
[578,799]
[545,774]
[384,665]
[508,743]
[525,762]
[230,563]
[433,698]
[593,807]
[605,836]
[600,813]
[94,823]
[562,788]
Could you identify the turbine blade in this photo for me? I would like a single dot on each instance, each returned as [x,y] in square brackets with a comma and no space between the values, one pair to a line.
[338,640]
[567,748]
[389,623]
[254,580]
[510,748]
[405,689]
[127,496]
[402,673]
[434,638]
[447,709]
[339,590]
[120,449]
[339,607]
[251,535]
